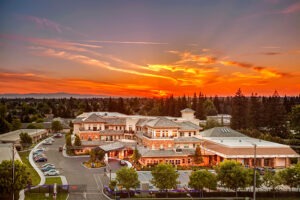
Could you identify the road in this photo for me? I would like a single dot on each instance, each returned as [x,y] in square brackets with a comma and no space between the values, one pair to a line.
[90,180]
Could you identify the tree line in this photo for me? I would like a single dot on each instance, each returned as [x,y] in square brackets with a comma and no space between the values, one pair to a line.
[229,174]
[269,112]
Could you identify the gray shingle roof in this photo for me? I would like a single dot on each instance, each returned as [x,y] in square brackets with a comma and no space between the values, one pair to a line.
[162,122]
[186,139]
[94,118]
[187,110]
[221,132]
[115,121]
[188,126]
[112,146]
[168,153]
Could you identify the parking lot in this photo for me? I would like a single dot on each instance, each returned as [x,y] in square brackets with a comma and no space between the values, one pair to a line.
[75,172]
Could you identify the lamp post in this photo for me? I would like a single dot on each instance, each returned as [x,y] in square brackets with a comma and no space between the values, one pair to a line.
[254,178]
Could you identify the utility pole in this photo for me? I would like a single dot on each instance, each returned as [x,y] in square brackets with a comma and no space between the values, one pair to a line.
[254,178]
[13,171]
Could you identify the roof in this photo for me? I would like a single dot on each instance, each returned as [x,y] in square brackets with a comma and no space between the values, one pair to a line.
[141,122]
[94,118]
[92,143]
[248,151]
[109,114]
[161,122]
[77,120]
[115,121]
[221,132]
[112,146]
[6,152]
[188,126]
[187,110]
[13,136]
[186,139]
[45,125]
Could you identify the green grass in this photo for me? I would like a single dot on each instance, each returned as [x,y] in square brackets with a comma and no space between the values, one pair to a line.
[41,196]
[33,174]
[52,180]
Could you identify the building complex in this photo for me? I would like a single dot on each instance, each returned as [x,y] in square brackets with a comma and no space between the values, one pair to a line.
[174,140]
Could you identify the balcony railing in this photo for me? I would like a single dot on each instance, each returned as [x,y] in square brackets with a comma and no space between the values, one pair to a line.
[150,136]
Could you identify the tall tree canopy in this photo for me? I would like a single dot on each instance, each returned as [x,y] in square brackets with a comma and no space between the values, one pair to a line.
[202,179]
[7,186]
[128,178]
[164,176]
[239,111]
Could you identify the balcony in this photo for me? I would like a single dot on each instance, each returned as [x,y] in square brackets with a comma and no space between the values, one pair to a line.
[148,135]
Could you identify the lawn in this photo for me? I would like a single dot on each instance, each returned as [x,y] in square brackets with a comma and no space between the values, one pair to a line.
[52,180]
[39,196]
[33,174]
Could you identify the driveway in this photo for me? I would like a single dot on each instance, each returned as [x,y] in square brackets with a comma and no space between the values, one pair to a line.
[90,180]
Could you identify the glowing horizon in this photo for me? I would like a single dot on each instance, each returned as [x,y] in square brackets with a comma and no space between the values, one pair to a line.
[150,49]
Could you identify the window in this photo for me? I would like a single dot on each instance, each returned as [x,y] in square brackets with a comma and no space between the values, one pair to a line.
[183,161]
[194,145]
[194,133]
[189,161]
[181,134]
[186,146]
[190,134]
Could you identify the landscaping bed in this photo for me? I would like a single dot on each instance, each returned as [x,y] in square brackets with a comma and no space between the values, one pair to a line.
[34,176]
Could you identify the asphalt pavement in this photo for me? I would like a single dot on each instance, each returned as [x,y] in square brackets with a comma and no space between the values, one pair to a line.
[85,183]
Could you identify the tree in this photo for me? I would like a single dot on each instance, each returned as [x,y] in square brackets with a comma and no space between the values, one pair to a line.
[96,154]
[128,178]
[295,118]
[164,177]
[136,156]
[203,179]
[211,123]
[290,176]
[68,143]
[26,140]
[209,108]
[198,155]
[16,124]
[112,184]
[5,126]
[77,141]
[239,111]
[35,126]
[21,177]
[255,113]
[233,175]
[271,180]
[56,126]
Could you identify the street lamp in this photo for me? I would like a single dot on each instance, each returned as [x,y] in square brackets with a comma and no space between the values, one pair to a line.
[254,179]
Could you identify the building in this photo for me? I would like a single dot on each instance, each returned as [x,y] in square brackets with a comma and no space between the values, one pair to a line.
[173,140]
[222,119]
[6,152]
[229,144]
[14,136]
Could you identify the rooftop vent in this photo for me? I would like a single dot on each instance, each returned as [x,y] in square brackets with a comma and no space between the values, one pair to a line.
[225,130]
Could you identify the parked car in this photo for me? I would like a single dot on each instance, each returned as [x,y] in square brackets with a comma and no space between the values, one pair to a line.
[39,150]
[48,164]
[41,159]
[52,172]
[122,162]
[47,168]
[39,155]
[57,135]
[51,139]
[47,142]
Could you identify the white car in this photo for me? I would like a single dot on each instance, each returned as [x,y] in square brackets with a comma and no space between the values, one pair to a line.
[48,164]
[39,150]
[47,142]
[51,139]
[52,172]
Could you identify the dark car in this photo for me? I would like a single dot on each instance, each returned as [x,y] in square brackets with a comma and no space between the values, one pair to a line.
[41,159]
[122,162]
[57,135]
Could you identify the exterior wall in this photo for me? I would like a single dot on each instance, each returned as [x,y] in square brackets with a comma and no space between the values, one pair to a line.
[130,124]
[156,144]
[187,133]
[187,116]
[98,136]
[185,145]
[76,128]
[162,133]
[177,161]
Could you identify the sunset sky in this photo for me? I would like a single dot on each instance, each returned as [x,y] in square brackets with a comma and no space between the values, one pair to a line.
[150,48]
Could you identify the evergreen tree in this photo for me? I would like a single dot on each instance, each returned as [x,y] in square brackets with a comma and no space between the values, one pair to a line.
[255,112]
[200,107]
[239,111]
[198,159]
